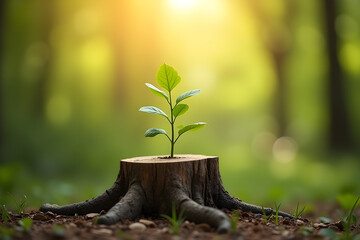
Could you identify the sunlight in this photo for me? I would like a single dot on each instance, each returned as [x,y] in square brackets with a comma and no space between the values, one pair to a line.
[183,4]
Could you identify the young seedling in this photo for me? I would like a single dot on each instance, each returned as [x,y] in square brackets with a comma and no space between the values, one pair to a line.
[175,220]
[264,214]
[20,206]
[298,212]
[331,234]
[234,219]
[4,214]
[277,207]
[349,219]
[168,78]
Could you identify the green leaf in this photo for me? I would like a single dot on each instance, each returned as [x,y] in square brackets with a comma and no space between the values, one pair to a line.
[153,110]
[152,132]
[328,232]
[193,127]
[324,220]
[58,230]
[167,77]
[157,91]
[26,223]
[187,95]
[180,109]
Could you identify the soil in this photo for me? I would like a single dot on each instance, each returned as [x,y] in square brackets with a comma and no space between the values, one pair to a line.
[249,226]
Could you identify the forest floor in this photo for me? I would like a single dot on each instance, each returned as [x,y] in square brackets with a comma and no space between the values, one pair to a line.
[248,226]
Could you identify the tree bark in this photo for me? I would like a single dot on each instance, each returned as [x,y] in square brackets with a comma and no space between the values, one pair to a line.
[339,130]
[152,185]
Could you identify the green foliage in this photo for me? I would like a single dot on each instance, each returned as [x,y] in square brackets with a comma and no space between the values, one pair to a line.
[26,224]
[234,219]
[347,221]
[193,127]
[175,220]
[153,110]
[298,212]
[4,214]
[329,233]
[6,233]
[58,230]
[168,78]
[152,132]
[277,208]
[324,220]
[264,214]
[305,231]
[20,206]
[187,95]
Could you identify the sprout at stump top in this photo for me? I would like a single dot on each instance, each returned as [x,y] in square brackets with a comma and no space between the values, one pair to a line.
[168,78]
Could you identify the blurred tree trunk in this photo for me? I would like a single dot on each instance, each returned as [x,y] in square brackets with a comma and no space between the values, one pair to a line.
[2,35]
[118,26]
[46,21]
[277,42]
[339,129]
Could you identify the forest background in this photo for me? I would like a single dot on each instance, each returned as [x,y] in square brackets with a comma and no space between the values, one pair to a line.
[280,93]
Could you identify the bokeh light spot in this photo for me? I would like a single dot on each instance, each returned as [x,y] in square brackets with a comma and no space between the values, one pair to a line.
[285,149]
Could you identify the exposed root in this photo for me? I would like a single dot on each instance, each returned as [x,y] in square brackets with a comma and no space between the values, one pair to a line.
[129,207]
[227,201]
[201,214]
[102,202]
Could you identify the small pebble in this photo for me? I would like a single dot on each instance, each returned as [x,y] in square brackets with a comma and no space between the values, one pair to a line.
[91,215]
[299,222]
[165,230]
[137,226]
[147,223]
[320,225]
[196,234]
[175,238]
[102,231]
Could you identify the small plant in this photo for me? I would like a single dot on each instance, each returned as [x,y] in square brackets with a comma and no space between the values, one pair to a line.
[298,212]
[277,208]
[168,78]
[175,220]
[20,206]
[264,214]
[26,224]
[4,214]
[234,219]
[347,221]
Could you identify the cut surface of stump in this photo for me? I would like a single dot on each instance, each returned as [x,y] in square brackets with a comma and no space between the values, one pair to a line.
[152,185]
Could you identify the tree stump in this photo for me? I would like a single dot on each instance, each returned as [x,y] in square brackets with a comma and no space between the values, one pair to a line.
[152,185]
